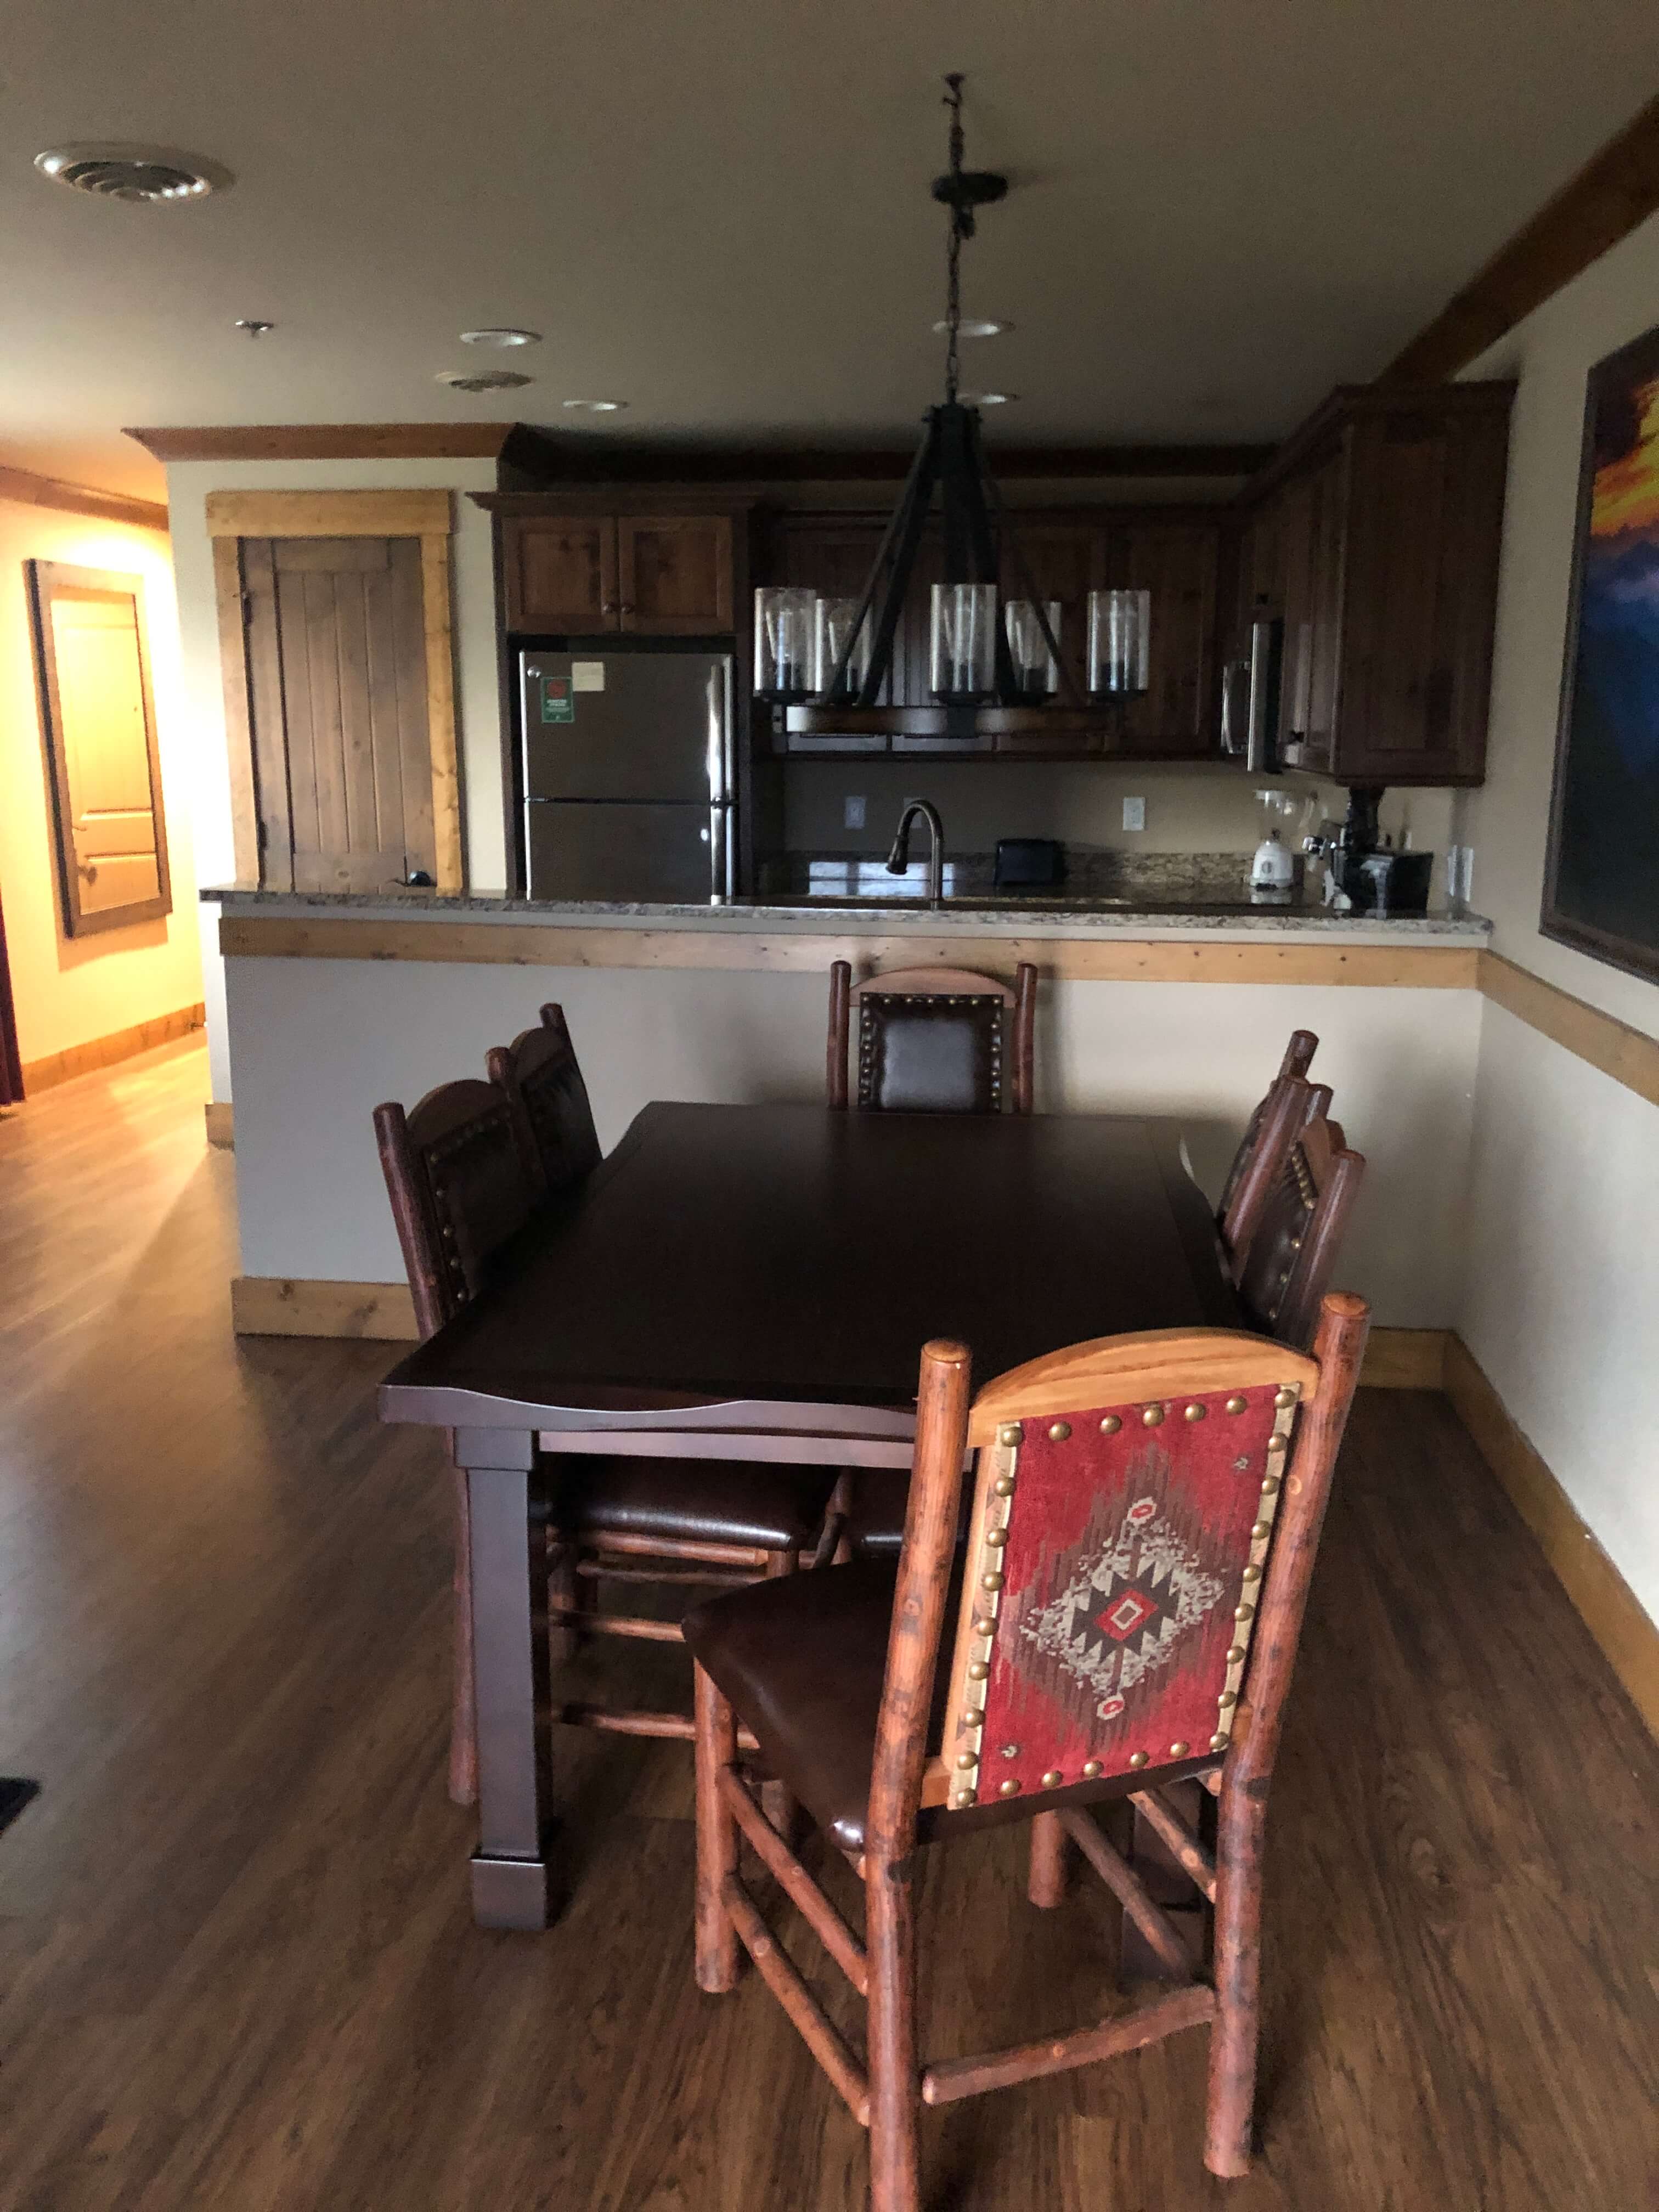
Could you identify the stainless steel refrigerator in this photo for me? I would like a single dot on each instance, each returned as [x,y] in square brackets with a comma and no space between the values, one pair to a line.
[627,774]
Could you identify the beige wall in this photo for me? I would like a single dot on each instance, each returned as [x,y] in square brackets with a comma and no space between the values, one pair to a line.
[1561,1296]
[477,714]
[70,991]
[1200,809]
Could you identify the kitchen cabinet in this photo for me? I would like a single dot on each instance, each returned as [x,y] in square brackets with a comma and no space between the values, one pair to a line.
[1178,563]
[652,575]
[1376,536]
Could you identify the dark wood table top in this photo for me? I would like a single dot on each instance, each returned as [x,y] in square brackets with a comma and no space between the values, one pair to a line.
[764,1266]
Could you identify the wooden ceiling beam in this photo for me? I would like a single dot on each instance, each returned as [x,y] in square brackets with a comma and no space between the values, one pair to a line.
[1605,202]
[30,491]
[327,441]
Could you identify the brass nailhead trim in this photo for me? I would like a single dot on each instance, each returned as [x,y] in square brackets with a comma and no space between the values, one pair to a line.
[1243,1612]
[1052,1779]
[1235,1654]
[1237,1404]
[967,1761]
[1218,1742]
[962,1799]
[1284,1397]
[972,1719]
[1137,1758]
[1261,1528]
[1153,1416]
[991,1582]
[1252,1573]
[996,1538]
[1003,1486]
[1091,1767]
[1195,1412]
[1008,1435]
[1110,1426]
[1008,1789]
[1059,1431]
[977,1670]
[984,1628]
[1177,1750]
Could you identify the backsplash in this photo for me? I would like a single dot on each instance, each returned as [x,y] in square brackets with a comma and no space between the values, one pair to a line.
[1091,872]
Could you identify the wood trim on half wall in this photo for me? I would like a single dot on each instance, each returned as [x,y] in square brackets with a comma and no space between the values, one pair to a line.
[1615,191]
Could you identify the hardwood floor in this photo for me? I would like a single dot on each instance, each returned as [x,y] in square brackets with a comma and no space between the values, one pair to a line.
[237,1969]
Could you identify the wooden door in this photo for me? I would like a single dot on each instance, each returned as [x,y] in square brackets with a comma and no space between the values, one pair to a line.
[674,575]
[337,703]
[1425,530]
[560,573]
[1178,562]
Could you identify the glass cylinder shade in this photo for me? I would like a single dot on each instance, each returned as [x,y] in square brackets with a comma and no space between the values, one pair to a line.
[962,643]
[833,626]
[1036,672]
[1119,643]
[784,618]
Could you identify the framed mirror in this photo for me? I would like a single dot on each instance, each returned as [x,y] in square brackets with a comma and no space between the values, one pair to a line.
[99,719]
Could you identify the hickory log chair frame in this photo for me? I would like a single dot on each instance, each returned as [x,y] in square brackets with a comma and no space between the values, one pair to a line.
[447,1250]
[540,1072]
[1303,1217]
[945,985]
[1265,1142]
[1234,1404]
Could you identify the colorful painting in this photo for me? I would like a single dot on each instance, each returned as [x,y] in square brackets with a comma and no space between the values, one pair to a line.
[1601,886]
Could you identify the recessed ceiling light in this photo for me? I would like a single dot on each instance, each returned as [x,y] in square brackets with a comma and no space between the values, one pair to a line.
[484,380]
[595,406]
[975,326]
[986,398]
[255,326]
[133,172]
[500,338]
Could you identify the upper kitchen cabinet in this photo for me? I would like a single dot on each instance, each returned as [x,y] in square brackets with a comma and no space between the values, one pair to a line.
[655,576]
[1178,563]
[1384,516]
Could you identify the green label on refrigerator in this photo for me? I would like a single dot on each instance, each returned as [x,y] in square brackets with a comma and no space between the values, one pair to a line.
[557,703]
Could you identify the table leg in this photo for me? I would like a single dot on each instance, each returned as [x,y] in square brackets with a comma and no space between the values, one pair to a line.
[510,1884]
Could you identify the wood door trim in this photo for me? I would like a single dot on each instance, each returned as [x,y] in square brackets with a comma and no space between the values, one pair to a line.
[426,515]
[1117,959]
[329,513]
[28,489]
[1615,191]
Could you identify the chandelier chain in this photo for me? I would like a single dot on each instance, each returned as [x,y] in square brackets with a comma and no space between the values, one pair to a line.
[953,247]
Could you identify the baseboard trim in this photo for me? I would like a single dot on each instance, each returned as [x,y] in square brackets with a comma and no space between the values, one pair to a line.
[103,1052]
[1608,1606]
[220,1116]
[1405,1359]
[278,1305]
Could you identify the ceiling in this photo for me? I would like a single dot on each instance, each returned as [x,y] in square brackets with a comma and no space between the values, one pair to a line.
[720,212]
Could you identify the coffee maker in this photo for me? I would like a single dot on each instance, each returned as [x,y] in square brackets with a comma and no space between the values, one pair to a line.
[1365,873]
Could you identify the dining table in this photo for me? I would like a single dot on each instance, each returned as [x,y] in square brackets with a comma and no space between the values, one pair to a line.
[756,1281]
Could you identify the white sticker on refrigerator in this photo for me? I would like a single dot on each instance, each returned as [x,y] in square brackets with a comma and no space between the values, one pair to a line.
[587,676]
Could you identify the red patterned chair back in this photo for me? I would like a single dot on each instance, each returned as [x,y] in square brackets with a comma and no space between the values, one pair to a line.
[934,1040]
[459,1172]
[1251,1176]
[540,1069]
[1297,1236]
[1123,1520]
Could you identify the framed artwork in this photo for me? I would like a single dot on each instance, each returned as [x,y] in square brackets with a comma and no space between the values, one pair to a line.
[99,720]
[1601,878]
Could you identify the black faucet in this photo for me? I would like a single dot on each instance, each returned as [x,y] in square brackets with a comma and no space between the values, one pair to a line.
[899,859]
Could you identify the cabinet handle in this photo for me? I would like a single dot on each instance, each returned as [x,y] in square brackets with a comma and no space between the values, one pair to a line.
[607,606]
[628,607]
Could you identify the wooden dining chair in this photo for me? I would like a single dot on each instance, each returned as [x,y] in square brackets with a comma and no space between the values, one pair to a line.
[539,1069]
[1264,1145]
[934,1040]
[464,1175]
[1297,1236]
[1145,1515]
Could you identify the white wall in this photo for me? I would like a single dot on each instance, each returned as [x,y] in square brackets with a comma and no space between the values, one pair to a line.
[68,991]
[1560,1303]
[320,1042]
[476,703]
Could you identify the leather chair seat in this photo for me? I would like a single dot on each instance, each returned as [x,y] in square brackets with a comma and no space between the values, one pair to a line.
[802,1659]
[704,1501]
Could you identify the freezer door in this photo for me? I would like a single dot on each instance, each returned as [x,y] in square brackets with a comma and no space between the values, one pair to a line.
[644,726]
[578,850]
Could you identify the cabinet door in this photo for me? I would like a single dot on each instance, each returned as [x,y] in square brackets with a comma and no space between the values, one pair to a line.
[1425,526]
[831,555]
[1066,561]
[560,573]
[1177,563]
[675,574]
[1313,544]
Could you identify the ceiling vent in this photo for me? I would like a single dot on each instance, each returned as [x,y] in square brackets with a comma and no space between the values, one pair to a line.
[133,172]
[483,380]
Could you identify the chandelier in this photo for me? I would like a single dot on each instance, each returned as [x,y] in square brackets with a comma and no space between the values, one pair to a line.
[824,659]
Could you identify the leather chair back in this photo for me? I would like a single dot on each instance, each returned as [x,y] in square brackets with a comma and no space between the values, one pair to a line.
[933,1040]
[1253,1162]
[539,1069]
[460,1173]
[1298,1232]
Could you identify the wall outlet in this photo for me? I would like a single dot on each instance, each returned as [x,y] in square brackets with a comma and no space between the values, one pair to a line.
[852,814]
[1134,814]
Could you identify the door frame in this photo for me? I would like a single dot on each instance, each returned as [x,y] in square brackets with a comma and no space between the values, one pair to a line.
[428,515]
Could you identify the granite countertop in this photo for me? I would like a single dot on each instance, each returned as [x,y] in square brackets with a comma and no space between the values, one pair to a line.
[1050,914]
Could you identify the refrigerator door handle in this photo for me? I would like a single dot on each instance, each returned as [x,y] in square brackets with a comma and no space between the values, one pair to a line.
[1259,736]
[718,696]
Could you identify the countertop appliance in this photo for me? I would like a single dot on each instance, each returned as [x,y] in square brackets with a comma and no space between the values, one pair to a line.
[1272,869]
[1028,863]
[628,774]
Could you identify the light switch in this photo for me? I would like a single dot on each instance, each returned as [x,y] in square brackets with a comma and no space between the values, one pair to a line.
[852,816]
[1134,814]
